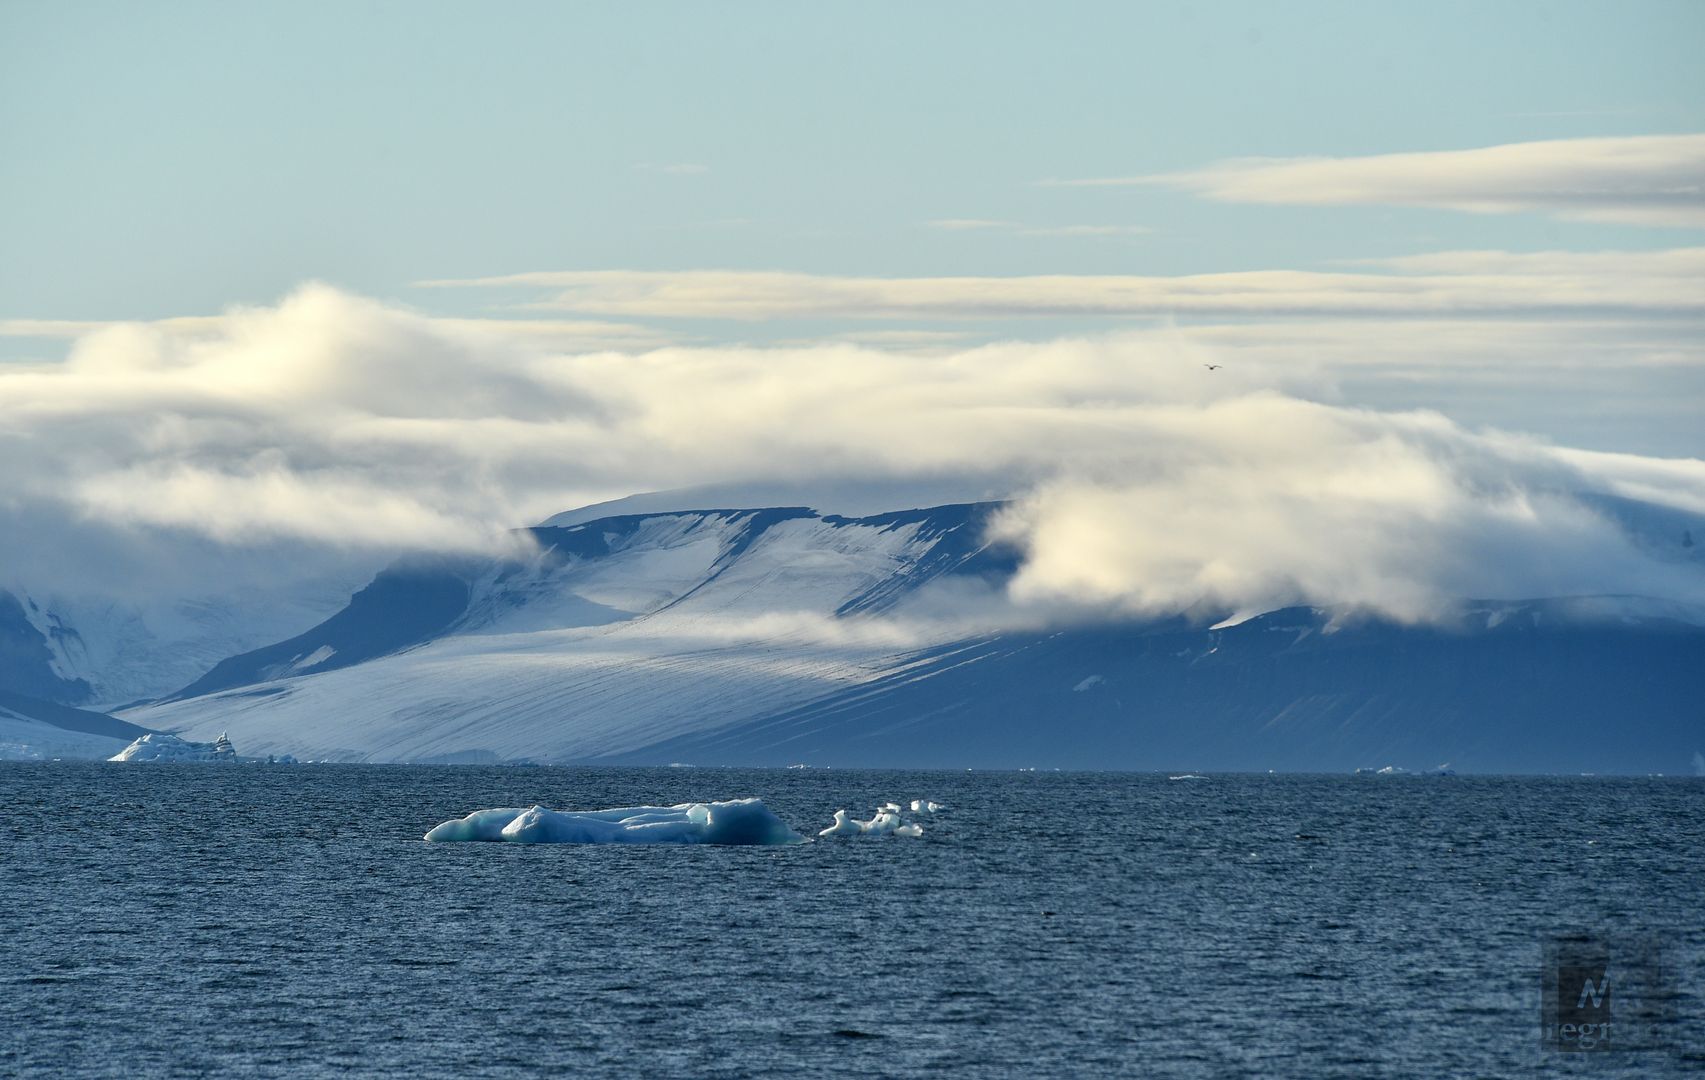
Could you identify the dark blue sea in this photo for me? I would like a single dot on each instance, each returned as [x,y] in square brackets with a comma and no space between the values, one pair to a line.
[289,921]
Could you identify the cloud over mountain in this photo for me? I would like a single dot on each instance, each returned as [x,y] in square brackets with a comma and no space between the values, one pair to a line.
[334,422]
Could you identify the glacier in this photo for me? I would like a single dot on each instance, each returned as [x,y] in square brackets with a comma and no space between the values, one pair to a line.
[620,633]
[734,822]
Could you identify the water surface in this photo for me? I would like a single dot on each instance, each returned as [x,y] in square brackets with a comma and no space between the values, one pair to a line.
[289,921]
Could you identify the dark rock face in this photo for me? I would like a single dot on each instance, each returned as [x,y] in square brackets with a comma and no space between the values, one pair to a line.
[26,662]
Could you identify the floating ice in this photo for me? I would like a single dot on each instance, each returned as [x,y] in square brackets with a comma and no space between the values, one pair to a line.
[887,821]
[479,825]
[740,821]
[159,746]
[1188,776]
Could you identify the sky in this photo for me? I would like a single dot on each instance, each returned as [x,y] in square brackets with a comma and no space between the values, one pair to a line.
[340,274]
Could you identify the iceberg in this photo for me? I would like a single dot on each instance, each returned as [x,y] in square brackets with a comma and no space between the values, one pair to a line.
[159,746]
[738,821]
[479,825]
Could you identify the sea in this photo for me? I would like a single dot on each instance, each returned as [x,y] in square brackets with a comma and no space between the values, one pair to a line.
[289,921]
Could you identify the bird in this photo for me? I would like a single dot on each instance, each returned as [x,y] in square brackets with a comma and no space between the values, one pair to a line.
[1213,367]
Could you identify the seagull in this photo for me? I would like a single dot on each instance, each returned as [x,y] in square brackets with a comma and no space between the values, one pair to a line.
[1213,367]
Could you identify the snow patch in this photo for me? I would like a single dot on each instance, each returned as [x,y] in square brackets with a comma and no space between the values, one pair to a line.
[313,659]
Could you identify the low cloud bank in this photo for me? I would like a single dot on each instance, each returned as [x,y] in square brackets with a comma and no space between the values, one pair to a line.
[335,424]
[1656,180]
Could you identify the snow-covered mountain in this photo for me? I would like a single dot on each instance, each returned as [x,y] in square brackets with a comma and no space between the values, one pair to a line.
[78,650]
[782,635]
[620,633]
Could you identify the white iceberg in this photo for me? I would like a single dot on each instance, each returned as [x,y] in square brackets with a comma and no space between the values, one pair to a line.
[739,821]
[924,806]
[159,746]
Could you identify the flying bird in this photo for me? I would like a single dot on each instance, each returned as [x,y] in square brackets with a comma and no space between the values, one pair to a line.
[1213,367]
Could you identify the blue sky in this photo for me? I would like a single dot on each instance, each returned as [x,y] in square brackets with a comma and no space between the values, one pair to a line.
[171,159]
[1361,293]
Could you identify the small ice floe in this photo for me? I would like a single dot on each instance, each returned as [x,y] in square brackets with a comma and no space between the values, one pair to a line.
[1188,776]
[738,821]
[887,822]
[1389,770]
[159,746]
[924,806]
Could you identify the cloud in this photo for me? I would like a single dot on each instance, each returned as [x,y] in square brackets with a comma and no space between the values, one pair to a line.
[1293,502]
[1654,180]
[330,422]
[1662,283]
[560,333]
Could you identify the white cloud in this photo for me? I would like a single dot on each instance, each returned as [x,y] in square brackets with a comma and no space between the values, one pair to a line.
[576,334]
[332,421]
[1545,284]
[1639,180]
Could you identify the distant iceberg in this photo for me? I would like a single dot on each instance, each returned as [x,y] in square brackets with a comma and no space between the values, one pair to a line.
[739,821]
[159,746]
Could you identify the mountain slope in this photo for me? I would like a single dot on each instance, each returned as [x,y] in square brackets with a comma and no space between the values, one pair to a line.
[618,633]
[33,729]
[781,635]
[1532,688]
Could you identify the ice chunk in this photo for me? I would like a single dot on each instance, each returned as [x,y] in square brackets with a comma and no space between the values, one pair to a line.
[924,806]
[739,821]
[887,821]
[844,826]
[1188,776]
[479,825]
